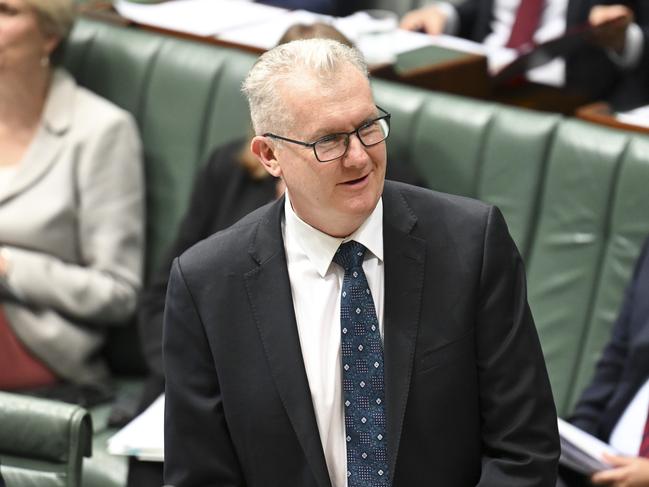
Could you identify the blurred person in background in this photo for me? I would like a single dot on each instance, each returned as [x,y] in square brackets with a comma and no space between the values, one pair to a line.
[71,212]
[614,66]
[615,405]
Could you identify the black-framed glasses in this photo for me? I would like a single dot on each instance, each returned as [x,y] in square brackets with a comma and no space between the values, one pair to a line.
[334,146]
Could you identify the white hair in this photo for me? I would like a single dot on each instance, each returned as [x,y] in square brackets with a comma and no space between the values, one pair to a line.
[320,58]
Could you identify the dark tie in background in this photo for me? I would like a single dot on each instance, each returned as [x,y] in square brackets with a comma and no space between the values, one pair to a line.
[644,446]
[527,21]
[362,362]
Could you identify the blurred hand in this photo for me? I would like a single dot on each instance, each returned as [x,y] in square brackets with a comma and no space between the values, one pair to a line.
[612,36]
[430,20]
[627,472]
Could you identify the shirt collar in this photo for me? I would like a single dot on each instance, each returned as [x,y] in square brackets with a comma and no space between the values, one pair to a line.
[320,247]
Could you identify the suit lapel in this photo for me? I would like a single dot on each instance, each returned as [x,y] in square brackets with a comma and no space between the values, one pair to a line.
[40,156]
[404,278]
[269,292]
[49,139]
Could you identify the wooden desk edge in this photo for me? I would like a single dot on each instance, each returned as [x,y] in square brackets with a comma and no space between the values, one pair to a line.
[601,114]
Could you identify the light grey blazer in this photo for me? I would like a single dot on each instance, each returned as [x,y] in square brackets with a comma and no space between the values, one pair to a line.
[72,227]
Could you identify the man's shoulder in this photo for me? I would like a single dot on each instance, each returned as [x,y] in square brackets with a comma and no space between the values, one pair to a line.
[435,217]
[228,247]
[421,201]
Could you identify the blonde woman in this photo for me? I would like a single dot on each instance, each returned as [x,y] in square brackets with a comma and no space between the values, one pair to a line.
[71,207]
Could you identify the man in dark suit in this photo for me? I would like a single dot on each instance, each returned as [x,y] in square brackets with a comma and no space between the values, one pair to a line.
[355,332]
[615,66]
[621,378]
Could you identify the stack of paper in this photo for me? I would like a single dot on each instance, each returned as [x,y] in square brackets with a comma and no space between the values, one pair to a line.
[266,35]
[144,436]
[581,451]
[199,17]
[638,116]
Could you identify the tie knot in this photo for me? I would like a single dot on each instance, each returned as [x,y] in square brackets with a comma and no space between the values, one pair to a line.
[350,255]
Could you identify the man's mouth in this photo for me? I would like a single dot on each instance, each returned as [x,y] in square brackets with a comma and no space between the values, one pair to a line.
[353,182]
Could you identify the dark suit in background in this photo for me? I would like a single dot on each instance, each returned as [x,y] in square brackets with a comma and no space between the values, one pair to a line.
[590,70]
[624,365]
[468,398]
[622,369]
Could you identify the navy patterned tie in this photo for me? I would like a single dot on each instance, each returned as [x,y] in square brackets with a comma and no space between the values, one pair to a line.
[362,362]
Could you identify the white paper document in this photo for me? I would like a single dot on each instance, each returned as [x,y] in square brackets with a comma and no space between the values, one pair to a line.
[199,17]
[581,451]
[266,35]
[379,40]
[143,437]
[638,116]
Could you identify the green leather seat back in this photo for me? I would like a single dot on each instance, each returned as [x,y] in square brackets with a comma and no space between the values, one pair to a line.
[115,65]
[185,85]
[627,225]
[228,116]
[570,243]
[449,137]
[513,163]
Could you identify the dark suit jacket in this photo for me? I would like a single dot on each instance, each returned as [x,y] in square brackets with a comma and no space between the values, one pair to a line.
[590,70]
[624,365]
[468,398]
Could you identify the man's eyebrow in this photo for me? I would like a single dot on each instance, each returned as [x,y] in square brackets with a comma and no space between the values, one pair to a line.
[319,134]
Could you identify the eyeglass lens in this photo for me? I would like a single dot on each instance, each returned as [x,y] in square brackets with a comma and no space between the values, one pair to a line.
[335,145]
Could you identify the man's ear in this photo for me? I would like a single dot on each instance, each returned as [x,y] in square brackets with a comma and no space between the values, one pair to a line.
[264,150]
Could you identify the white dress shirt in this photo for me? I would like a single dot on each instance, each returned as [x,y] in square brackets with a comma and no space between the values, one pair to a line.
[626,437]
[316,285]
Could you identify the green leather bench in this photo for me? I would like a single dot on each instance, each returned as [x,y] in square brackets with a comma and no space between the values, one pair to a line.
[42,443]
[574,194]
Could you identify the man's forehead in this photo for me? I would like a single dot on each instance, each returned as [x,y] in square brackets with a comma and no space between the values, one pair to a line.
[326,82]
[326,114]
[310,92]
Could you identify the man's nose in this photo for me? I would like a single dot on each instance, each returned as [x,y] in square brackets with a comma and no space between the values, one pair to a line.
[356,153]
